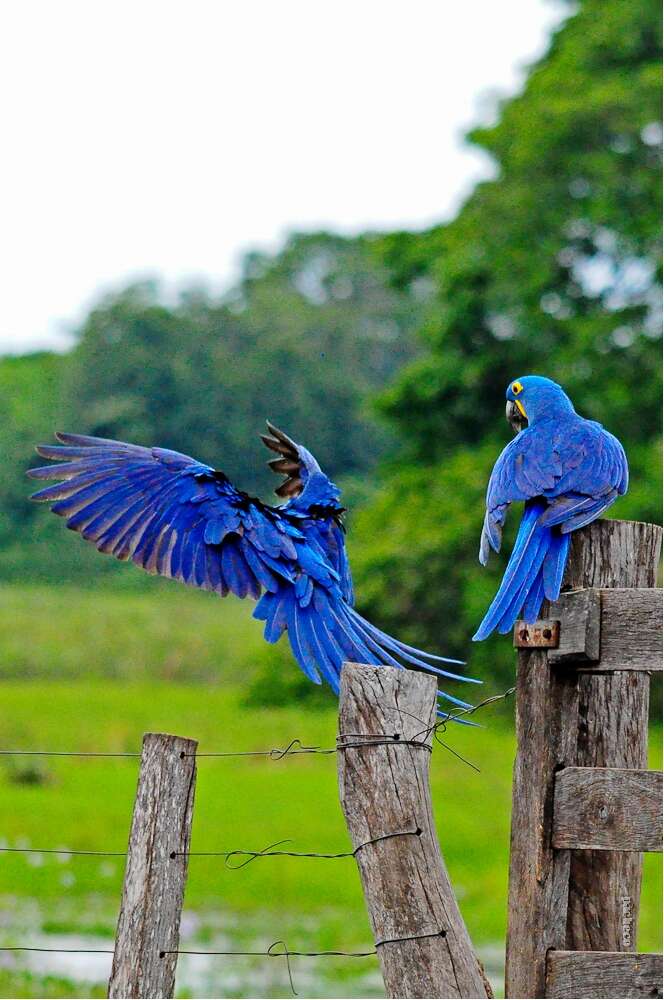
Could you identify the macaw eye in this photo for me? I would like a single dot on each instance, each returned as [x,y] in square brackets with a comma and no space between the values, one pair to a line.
[516,388]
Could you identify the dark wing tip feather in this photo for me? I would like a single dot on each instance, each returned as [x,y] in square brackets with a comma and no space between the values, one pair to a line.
[290,488]
[44,451]
[284,438]
[288,463]
[84,439]
[284,465]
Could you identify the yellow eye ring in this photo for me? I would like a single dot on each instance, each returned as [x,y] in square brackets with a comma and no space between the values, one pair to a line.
[517,388]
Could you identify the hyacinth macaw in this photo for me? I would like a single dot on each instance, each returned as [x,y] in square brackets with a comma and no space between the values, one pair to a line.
[568,470]
[174,516]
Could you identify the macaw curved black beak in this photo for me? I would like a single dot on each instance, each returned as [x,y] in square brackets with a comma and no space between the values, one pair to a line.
[515,415]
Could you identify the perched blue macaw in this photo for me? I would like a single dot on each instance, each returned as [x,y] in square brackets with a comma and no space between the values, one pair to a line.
[174,516]
[568,470]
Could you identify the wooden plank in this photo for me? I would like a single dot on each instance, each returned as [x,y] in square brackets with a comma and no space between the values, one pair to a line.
[422,942]
[599,974]
[608,808]
[546,729]
[148,929]
[579,616]
[631,630]
[605,886]
[628,620]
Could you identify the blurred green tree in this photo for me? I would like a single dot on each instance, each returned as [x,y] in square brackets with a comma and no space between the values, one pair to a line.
[305,339]
[553,267]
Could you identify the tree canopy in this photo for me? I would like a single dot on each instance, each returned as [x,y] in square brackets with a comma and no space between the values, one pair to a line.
[553,267]
[306,338]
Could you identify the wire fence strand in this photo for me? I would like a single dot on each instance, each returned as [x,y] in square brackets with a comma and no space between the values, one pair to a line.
[267,852]
[345,741]
[271,852]
[62,850]
[278,949]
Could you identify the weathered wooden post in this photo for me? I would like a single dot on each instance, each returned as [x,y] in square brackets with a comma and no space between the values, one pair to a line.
[582,702]
[148,929]
[385,720]
[605,887]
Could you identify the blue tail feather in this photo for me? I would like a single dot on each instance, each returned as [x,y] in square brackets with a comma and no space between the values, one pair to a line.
[531,573]
[523,581]
[554,565]
[326,632]
[533,603]
[535,570]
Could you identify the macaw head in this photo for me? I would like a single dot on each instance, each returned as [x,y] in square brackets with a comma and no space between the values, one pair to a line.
[533,398]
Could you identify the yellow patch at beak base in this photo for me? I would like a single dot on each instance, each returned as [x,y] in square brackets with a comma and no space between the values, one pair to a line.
[520,408]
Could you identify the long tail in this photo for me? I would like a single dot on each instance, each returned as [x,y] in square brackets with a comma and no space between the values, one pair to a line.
[325,632]
[534,572]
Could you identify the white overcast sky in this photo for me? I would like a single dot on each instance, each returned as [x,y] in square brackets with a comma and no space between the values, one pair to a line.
[166,138]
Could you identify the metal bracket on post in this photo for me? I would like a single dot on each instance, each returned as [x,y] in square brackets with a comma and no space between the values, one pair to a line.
[537,635]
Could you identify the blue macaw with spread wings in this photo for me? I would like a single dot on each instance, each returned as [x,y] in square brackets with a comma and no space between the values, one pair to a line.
[569,471]
[174,516]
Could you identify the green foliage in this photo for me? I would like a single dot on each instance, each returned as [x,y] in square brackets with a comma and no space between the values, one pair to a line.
[29,394]
[553,268]
[305,339]
[168,632]
[279,682]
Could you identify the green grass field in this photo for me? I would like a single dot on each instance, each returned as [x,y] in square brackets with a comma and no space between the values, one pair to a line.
[94,671]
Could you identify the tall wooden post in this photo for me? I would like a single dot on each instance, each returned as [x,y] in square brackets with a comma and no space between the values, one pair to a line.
[148,930]
[583,704]
[546,721]
[423,946]
[605,886]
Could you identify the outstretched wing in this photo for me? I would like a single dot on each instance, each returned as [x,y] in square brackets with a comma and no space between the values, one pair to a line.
[169,514]
[172,515]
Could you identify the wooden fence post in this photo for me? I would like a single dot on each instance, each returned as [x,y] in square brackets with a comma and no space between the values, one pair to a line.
[421,939]
[583,704]
[148,929]
[546,720]
[605,886]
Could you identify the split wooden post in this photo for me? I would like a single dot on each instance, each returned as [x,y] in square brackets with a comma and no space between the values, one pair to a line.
[148,929]
[584,704]
[605,887]
[422,942]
